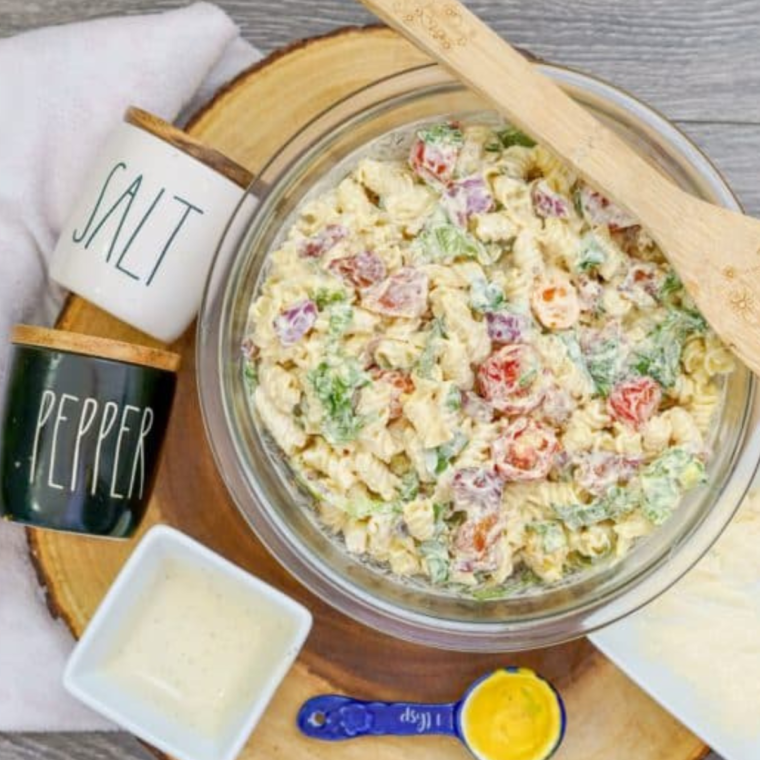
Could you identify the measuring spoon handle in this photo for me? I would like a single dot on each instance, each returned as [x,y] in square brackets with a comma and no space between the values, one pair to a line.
[332,717]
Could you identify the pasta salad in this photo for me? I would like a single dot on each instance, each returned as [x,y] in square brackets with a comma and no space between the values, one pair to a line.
[480,368]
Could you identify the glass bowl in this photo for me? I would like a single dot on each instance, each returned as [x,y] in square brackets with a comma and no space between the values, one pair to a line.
[279,512]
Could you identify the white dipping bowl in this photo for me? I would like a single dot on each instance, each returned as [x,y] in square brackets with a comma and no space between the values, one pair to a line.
[88,679]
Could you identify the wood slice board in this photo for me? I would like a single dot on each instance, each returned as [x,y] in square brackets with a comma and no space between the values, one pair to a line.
[610,718]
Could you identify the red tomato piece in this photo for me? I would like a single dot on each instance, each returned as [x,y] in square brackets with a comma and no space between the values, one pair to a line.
[525,451]
[510,379]
[403,294]
[434,160]
[400,382]
[317,245]
[477,492]
[361,271]
[555,304]
[477,535]
[634,401]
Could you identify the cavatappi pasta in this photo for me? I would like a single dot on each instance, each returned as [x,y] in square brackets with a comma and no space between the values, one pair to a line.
[480,367]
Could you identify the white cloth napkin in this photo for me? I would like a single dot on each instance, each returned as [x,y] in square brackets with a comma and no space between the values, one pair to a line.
[62,89]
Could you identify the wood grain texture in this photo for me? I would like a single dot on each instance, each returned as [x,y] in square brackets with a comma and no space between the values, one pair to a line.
[182,141]
[87,345]
[695,60]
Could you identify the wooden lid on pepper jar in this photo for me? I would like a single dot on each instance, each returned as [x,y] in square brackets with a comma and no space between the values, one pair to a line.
[88,345]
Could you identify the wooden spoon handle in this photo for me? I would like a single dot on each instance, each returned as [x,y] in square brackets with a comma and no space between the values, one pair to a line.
[456,38]
[715,251]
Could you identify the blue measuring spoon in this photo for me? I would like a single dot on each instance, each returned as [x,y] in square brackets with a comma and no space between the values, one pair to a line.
[332,717]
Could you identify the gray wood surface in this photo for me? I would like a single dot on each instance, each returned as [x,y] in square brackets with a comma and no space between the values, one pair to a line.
[698,61]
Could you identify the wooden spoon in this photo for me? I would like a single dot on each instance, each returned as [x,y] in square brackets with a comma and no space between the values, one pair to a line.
[716,252]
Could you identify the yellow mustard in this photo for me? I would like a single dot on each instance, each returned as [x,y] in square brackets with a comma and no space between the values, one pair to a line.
[512,715]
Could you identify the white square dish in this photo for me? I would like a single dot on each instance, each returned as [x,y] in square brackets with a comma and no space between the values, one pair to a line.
[137,607]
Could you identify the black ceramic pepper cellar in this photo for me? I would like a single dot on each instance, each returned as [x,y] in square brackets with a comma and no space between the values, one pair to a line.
[84,421]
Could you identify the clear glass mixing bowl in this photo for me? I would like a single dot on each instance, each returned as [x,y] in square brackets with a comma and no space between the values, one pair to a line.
[278,510]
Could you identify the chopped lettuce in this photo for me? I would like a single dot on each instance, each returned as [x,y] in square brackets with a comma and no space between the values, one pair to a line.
[410,486]
[427,358]
[323,297]
[453,401]
[553,538]
[334,386]
[617,502]
[486,296]
[250,375]
[435,555]
[522,580]
[659,355]
[442,134]
[341,316]
[577,516]
[506,138]
[438,459]
[361,508]
[604,362]
[591,255]
[602,359]
[670,286]
[444,243]
[665,480]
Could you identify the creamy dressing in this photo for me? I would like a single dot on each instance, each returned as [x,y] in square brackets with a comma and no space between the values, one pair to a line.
[199,646]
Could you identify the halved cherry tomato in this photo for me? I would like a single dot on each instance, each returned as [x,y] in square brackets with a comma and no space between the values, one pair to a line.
[433,161]
[477,492]
[403,294]
[555,304]
[510,379]
[477,535]
[525,451]
[634,401]
[400,383]
[361,271]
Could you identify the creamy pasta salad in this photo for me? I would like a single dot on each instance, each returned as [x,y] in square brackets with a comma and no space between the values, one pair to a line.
[480,368]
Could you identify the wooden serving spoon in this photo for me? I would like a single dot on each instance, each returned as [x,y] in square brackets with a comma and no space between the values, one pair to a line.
[716,252]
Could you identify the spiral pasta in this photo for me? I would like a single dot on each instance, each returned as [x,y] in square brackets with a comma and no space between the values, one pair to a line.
[479,368]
